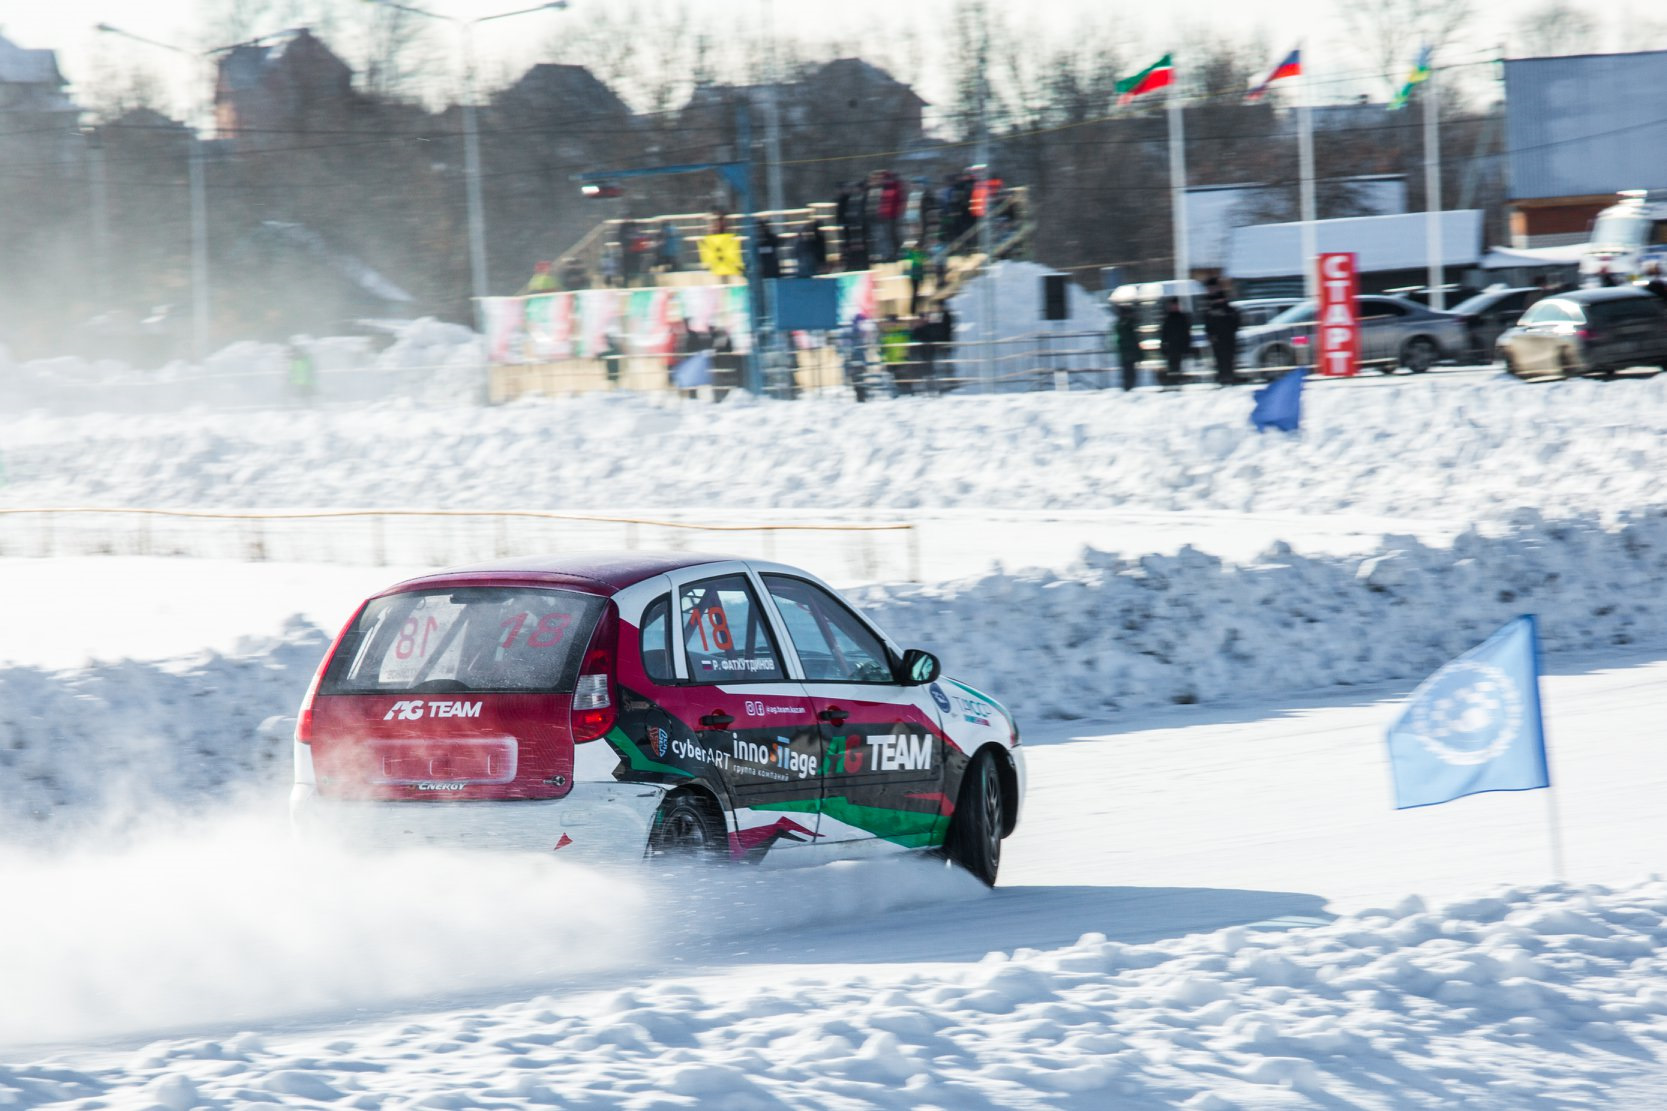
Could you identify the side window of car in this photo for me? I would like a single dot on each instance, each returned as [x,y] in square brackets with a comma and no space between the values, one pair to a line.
[1545,312]
[725,636]
[656,640]
[832,642]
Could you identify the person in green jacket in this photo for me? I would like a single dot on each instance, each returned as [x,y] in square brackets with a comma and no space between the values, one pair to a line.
[894,353]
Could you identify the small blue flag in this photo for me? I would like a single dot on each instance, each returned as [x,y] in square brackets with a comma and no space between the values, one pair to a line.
[1279,403]
[696,370]
[1474,726]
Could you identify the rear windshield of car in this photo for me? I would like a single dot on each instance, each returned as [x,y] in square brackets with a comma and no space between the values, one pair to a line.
[476,638]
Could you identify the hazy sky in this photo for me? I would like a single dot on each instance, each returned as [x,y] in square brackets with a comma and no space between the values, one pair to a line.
[67,26]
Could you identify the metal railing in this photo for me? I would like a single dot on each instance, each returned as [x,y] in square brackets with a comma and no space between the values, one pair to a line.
[440,537]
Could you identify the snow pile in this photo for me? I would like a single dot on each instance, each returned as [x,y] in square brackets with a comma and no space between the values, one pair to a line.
[427,361]
[1463,449]
[1113,632]
[1492,1002]
[112,743]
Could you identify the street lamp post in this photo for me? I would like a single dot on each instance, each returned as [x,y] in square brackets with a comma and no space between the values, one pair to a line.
[478,278]
[199,209]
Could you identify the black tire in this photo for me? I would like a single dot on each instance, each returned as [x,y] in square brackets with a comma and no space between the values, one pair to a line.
[686,828]
[1419,354]
[1511,367]
[974,840]
[1276,357]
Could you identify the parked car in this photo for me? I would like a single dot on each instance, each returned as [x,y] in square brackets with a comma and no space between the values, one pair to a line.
[658,706]
[1587,331]
[1393,332]
[1256,311]
[1490,312]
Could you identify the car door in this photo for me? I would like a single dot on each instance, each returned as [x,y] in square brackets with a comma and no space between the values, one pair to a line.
[746,709]
[1380,331]
[883,772]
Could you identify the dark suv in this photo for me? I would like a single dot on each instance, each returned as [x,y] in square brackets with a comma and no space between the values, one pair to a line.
[1587,331]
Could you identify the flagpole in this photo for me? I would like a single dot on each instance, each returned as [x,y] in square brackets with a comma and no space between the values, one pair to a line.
[1178,183]
[1305,154]
[1432,193]
[1558,869]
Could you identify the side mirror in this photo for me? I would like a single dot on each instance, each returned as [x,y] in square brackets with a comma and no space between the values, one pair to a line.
[919,666]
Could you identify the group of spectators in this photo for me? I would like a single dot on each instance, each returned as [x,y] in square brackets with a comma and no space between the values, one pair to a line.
[880,217]
[1176,340]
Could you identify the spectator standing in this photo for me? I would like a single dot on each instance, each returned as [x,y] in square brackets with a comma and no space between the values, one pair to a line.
[1221,325]
[916,269]
[303,372]
[1174,340]
[812,250]
[769,251]
[573,274]
[893,202]
[542,280]
[894,353]
[1127,331]
[669,249]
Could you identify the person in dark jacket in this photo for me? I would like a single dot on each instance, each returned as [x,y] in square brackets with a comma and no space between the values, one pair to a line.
[1221,325]
[1127,331]
[1174,340]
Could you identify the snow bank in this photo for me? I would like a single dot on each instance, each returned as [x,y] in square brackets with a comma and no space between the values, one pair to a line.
[1493,1002]
[1109,633]
[1465,449]
[1113,632]
[428,361]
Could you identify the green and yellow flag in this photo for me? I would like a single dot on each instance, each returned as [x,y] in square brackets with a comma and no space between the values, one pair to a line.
[1420,74]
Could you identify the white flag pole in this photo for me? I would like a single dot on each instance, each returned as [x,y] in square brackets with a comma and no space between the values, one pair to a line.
[1178,181]
[1305,153]
[1559,869]
[1432,191]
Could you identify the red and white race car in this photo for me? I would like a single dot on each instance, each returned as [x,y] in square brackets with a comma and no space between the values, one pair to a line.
[653,705]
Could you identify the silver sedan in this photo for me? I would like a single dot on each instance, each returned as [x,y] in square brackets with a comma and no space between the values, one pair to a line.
[1394,332]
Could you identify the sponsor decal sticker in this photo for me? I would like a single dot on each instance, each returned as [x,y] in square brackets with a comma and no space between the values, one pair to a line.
[660,739]
[760,708]
[700,754]
[428,786]
[773,760]
[886,753]
[940,698]
[415,709]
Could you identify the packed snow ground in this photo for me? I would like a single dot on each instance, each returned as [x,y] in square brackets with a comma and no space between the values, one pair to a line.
[1164,934]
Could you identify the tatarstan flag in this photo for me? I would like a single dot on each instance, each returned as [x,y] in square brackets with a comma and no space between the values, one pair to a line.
[1159,75]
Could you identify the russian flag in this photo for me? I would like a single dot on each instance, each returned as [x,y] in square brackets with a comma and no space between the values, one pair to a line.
[1290,67]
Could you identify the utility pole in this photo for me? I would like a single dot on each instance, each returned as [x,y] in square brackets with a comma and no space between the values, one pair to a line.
[986,226]
[1432,193]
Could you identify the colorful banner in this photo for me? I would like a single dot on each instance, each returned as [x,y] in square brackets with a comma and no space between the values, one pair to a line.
[551,327]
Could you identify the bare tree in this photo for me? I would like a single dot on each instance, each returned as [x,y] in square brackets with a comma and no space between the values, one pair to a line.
[1389,33]
[1555,27]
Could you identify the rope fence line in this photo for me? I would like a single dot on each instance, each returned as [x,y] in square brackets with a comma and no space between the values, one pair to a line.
[257,538]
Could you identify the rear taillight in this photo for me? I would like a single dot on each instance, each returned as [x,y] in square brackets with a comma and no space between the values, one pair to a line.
[1588,335]
[593,704]
[304,719]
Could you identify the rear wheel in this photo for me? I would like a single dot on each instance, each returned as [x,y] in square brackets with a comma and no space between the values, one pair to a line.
[1419,354]
[686,827]
[1276,357]
[975,831]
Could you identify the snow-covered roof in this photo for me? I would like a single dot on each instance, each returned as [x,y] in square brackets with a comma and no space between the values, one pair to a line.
[1379,242]
[28,67]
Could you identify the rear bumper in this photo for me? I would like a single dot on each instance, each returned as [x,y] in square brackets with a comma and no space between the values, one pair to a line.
[597,819]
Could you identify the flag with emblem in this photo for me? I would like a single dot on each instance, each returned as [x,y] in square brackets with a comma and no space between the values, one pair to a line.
[1475,725]
[1159,75]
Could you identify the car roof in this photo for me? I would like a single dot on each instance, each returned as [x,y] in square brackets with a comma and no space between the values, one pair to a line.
[599,572]
[1602,293]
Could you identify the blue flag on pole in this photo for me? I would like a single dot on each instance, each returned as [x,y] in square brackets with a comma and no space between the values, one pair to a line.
[1474,726]
[696,370]
[1279,403]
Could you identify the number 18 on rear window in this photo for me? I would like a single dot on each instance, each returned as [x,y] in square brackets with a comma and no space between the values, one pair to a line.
[1339,319]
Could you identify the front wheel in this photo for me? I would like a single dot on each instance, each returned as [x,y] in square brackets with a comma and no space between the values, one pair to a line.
[1419,354]
[975,830]
[685,828]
